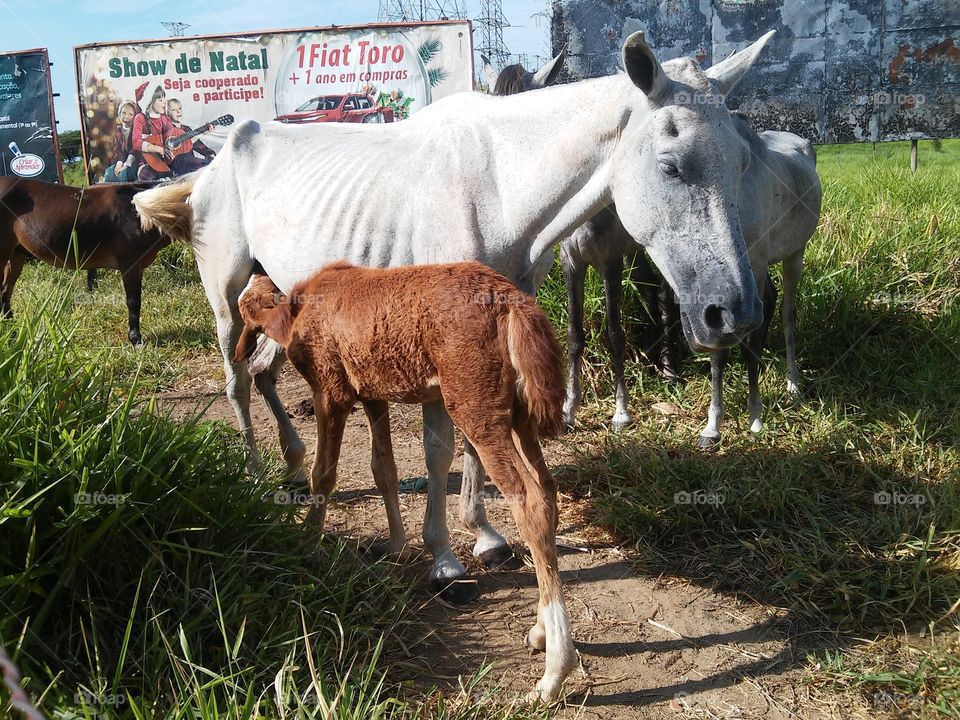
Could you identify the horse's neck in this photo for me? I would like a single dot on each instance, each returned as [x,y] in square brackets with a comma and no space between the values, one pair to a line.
[552,156]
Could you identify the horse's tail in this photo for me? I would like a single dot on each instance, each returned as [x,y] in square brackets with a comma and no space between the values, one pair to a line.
[535,355]
[167,208]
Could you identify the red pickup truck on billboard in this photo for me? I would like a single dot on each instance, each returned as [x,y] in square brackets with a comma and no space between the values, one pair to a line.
[349,108]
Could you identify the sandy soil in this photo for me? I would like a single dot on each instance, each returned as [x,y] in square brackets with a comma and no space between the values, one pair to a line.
[650,647]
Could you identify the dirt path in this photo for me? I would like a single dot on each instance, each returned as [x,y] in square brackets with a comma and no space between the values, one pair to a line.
[650,647]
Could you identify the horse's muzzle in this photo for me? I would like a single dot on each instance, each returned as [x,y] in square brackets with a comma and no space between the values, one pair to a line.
[720,325]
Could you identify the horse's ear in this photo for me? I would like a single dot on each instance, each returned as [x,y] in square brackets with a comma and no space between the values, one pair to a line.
[643,67]
[278,323]
[547,75]
[488,71]
[728,73]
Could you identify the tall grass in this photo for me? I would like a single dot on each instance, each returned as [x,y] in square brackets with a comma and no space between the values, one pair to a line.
[139,565]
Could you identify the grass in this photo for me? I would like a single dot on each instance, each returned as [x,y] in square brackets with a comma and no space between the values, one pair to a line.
[845,510]
[134,546]
[143,576]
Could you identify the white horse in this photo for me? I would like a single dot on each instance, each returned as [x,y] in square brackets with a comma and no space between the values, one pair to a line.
[496,179]
[779,211]
[602,242]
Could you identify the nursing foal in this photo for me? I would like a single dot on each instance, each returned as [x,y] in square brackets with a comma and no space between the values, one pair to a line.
[457,333]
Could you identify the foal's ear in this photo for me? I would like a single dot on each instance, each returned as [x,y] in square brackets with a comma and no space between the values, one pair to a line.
[643,67]
[246,344]
[729,72]
[547,75]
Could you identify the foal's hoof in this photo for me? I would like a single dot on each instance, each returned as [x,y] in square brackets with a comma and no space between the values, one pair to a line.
[619,423]
[708,443]
[500,558]
[459,591]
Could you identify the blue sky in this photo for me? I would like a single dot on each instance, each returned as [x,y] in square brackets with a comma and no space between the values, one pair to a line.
[58,25]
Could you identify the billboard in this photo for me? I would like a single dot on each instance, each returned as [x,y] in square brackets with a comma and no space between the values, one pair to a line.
[28,131]
[836,71]
[161,108]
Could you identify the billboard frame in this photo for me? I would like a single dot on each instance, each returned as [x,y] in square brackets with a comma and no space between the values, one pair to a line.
[53,112]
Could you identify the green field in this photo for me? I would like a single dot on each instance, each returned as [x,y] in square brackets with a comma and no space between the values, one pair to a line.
[163,589]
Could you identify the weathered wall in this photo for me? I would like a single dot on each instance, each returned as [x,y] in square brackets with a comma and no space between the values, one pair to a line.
[836,71]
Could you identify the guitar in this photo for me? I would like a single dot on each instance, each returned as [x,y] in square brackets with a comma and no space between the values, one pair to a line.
[178,141]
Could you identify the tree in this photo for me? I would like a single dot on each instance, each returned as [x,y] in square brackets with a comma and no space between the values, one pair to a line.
[69,142]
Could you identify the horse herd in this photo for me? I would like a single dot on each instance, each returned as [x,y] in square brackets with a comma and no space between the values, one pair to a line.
[650,158]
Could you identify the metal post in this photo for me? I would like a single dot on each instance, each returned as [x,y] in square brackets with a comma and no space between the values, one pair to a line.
[913,156]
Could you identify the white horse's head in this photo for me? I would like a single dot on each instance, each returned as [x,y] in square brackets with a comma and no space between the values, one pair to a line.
[676,182]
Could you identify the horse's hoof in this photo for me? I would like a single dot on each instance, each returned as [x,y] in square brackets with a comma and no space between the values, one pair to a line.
[458,592]
[500,558]
[297,484]
[619,423]
[756,426]
[708,443]
[136,340]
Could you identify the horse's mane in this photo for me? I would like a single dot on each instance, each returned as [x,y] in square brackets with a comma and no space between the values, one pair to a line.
[511,80]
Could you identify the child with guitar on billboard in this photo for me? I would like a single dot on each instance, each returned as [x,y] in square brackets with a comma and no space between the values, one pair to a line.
[166,144]
[188,162]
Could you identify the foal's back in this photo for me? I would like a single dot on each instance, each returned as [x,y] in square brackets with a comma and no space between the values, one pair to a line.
[394,333]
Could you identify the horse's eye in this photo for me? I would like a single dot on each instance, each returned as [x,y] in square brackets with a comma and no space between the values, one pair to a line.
[669,169]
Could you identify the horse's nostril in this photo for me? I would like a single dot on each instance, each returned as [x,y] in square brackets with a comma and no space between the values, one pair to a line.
[713,317]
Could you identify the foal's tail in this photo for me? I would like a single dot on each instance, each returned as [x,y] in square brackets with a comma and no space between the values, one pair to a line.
[166,208]
[535,355]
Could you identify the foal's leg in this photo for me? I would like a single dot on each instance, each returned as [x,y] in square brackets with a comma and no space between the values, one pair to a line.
[385,469]
[792,270]
[612,291]
[710,435]
[438,450]
[292,447]
[517,467]
[331,420]
[133,288]
[92,279]
[574,272]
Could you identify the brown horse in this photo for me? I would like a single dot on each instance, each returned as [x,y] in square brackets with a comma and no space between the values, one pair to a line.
[458,336]
[38,219]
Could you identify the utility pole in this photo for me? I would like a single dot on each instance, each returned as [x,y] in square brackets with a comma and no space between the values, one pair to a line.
[421,10]
[175,28]
[492,22]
